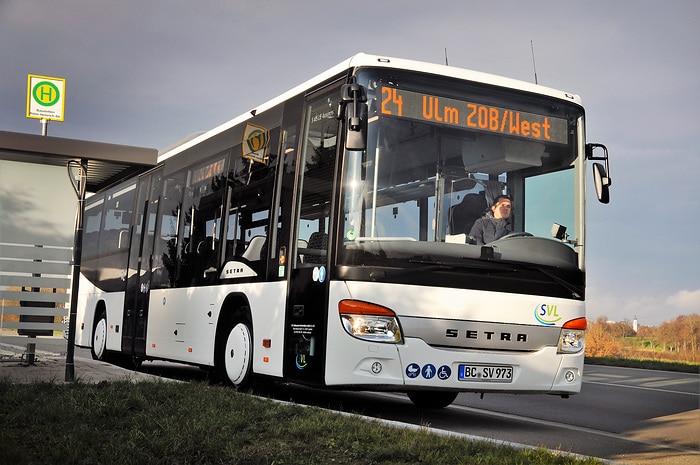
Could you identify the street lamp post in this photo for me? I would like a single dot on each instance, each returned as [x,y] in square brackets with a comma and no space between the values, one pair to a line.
[79,186]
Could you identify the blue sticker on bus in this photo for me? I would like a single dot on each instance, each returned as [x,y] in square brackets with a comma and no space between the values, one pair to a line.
[444,372]
[428,371]
[413,370]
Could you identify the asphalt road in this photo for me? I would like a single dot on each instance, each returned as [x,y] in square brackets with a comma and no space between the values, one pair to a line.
[629,415]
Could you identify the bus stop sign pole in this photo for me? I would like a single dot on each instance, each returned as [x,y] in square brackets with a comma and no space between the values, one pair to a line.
[79,186]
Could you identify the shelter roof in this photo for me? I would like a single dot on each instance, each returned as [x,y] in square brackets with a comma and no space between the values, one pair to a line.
[106,163]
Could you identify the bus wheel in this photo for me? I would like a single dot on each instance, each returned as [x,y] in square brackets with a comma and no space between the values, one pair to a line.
[237,357]
[99,338]
[432,399]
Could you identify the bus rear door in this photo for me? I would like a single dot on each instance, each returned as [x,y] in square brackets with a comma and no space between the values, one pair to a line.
[138,284]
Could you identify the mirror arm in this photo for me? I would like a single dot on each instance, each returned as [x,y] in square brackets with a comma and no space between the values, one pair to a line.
[601,173]
[590,156]
[355,115]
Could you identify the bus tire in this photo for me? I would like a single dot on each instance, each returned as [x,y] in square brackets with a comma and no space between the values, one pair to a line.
[98,348]
[432,399]
[236,359]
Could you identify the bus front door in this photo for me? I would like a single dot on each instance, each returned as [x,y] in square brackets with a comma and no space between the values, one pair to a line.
[307,311]
[138,284]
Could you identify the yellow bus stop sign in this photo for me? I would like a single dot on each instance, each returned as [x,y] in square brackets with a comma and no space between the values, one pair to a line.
[45,97]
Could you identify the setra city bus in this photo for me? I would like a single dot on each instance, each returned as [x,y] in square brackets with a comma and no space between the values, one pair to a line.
[326,238]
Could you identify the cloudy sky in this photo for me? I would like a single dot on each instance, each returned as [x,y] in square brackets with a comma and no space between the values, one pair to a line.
[151,72]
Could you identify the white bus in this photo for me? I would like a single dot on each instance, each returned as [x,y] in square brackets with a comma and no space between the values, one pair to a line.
[325,238]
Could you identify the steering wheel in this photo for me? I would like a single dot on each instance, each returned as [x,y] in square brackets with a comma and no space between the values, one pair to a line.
[516,234]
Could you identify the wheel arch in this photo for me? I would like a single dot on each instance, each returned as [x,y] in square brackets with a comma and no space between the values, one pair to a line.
[99,315]
[234,308]
[100,308]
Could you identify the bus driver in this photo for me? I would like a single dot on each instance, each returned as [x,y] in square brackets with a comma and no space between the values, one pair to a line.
[495,223]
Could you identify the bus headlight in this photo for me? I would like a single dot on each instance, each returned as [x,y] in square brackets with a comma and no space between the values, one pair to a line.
[572,337]
[369,322]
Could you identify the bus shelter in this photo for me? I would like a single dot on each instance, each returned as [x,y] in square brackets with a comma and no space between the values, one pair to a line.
[43,184]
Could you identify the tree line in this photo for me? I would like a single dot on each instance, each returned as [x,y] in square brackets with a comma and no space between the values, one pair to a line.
[676,340]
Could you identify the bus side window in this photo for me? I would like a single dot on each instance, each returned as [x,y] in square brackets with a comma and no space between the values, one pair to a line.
[165,248]
[93,222]
[201,216]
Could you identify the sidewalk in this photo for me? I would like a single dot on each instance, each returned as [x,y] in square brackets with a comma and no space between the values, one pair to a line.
[51,368]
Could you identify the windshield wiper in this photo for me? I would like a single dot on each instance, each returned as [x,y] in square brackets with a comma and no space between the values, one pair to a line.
[474,264]
[471,263]
[431,265]
[575,291]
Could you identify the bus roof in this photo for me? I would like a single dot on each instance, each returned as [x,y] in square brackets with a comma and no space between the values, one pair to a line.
[365,60]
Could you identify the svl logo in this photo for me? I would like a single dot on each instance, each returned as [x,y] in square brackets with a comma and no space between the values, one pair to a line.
[547,314]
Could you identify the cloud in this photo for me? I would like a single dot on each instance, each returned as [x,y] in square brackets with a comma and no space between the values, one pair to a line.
[650,308]
[684,302]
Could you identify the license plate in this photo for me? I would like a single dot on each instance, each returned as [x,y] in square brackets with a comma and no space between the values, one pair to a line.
[492,373]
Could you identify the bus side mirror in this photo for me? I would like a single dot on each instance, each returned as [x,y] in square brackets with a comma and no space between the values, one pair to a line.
[353,110]
[600,172]
[602,183]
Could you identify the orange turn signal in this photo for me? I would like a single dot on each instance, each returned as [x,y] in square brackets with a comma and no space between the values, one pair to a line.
[358,307]
[578,323]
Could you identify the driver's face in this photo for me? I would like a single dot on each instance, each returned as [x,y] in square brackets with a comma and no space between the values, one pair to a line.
[501,209]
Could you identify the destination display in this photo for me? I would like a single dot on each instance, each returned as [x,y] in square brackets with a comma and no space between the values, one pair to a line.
[207,172]
[477,116]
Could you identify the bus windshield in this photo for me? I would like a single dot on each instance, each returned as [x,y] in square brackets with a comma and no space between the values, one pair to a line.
[439,155]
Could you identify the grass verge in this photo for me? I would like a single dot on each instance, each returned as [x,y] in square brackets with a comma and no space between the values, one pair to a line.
[648,364]
[193,423]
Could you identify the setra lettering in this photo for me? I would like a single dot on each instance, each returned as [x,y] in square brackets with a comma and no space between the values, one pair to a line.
[487,335]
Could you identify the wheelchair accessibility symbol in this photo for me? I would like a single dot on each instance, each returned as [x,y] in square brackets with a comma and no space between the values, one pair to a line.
[444,372]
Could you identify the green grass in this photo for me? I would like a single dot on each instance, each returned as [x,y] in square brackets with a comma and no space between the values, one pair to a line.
[194,423]
[648,364]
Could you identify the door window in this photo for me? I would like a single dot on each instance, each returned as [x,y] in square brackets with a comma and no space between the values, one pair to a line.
[316,179]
